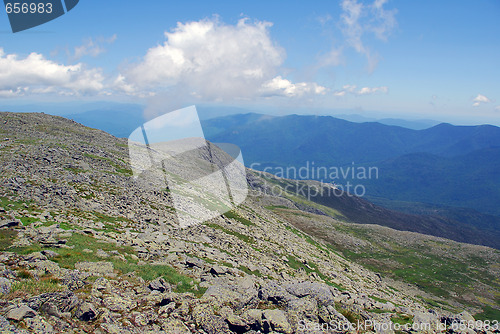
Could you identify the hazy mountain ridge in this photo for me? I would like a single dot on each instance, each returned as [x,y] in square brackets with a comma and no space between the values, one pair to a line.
[452,154]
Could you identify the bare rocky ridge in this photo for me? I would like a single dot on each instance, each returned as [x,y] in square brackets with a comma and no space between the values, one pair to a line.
[85,248]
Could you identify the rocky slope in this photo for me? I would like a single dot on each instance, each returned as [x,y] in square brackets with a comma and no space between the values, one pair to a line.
[85,248]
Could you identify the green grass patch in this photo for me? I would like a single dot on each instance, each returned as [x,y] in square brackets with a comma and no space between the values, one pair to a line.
[243,237]
[311,267]
[126,171]
[234,215]
[7,238]
[402,319]
[436,303]
[118,168]
[32,287]
[294,231]
[68,257]
[378,299]
[350,315]
[294,263]
[274,207]
[335,285]
[250,272]
[28,220]
[227,264]
[379,311]
[150,272]
[489,313]
[11,204]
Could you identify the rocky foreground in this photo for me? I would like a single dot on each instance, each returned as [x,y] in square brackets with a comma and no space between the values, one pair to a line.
[86,249]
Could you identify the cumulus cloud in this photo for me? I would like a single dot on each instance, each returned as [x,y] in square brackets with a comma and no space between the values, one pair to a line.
[480,99]
[353,89]
[283,87]
[92,47]
[214,61]
[37,75]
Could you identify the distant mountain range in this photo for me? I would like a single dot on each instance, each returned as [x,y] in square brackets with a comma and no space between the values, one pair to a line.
[448,165]
[420,124]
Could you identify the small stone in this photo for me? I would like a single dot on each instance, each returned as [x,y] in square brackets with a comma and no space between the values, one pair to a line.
[101,253]
[159,284]
[50,253]
[5,285]
[50,309]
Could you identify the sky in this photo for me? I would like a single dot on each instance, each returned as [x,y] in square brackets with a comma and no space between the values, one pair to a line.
[393,58]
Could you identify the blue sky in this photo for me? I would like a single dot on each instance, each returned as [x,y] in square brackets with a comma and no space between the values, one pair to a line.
[406,59]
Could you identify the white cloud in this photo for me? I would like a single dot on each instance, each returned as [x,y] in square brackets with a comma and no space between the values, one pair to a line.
[284,87]
[358,19]
[38,75]
[353,89]
[351,26]
[383,21]
[372,90]
[479,99]
[210,60]
[332,58]
[93,47]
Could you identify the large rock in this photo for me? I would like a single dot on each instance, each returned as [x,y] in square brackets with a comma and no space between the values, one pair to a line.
[275,293]
[253,318]
[39,325]
[204,317]
[64,301]
[231,294]
[328,314]
[159,284]
[302,309]
[277,321]
[119,304]
[427,322]
[72,280]
[318,291]
[466,316]
[45,267]
[102,284]
[218,270]
[96,268]
[6,327]
[175,326]
[86,312]
[50,308]
[237,324]
[9,223]
[19,313]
